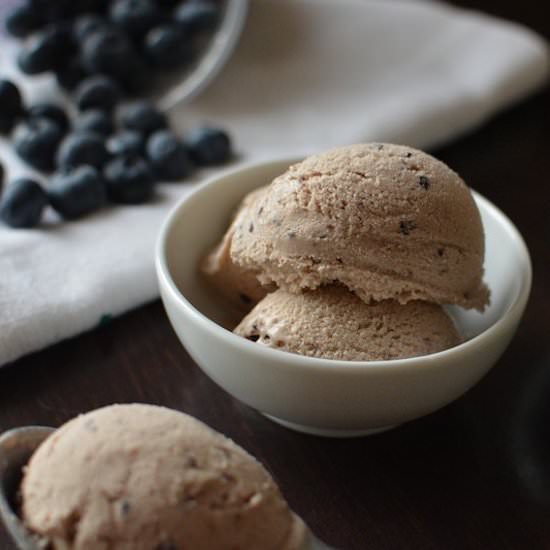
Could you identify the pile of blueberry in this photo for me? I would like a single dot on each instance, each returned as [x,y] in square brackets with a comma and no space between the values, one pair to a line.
[131,41]
[102,52]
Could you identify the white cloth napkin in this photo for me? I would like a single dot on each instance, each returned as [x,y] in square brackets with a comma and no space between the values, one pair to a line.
[307,75]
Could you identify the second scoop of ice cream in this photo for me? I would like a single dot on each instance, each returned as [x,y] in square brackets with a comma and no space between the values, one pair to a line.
[333,323]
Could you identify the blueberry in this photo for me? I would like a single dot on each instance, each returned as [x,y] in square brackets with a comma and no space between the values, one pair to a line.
[6,124]
[167,4]
[58,10]
[48,50]
[82,148]
[127,143]
[23,20]
[95,121]
[23,203]
[109,52]
[136,77]
[168,156]
[129,180]
[51,112]
[77,192]
[143,117]
[166,47]
[70,75]
[54,10]
[209,146]
[11,105]
[87,24]
[197,17]
[91,6]
[36,142]
[135,16]
[97,92]
[27,63]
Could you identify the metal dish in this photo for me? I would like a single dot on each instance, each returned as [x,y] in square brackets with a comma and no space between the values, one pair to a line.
[16,448]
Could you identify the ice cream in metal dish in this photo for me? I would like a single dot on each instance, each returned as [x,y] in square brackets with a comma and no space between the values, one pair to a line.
[145,477]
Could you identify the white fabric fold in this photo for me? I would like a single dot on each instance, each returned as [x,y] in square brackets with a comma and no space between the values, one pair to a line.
[307,75]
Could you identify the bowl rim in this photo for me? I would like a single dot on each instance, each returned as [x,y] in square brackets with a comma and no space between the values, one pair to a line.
[213,59]
[285,358]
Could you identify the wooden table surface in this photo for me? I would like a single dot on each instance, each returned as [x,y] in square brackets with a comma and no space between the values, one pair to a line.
[475,475]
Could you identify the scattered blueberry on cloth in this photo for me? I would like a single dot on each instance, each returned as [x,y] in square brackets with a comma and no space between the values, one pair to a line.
[408,71]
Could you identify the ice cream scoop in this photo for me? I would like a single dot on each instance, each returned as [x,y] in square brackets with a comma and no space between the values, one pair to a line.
[143,477]
[333,323]
[238,285]
[387,221]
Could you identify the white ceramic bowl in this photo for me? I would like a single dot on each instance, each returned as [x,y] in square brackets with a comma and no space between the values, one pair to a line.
[322,396]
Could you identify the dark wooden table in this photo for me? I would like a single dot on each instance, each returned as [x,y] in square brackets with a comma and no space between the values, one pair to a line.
[473,475]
